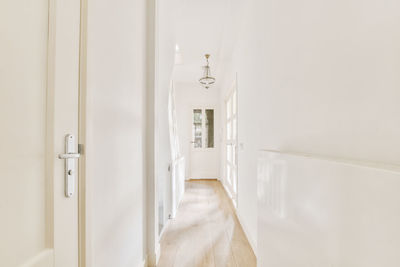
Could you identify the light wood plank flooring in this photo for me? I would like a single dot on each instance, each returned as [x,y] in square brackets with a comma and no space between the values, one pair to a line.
[206,231]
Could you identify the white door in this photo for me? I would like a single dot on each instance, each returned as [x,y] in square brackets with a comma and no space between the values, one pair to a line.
[39,79]
[203,153]
[231,145]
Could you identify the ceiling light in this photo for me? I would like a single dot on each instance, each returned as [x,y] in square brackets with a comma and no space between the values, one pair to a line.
[206,81]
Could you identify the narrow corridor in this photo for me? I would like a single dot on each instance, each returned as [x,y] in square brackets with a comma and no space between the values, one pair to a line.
[206,231]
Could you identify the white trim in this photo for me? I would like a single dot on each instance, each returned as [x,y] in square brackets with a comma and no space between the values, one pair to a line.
[158,252]
[164,229]
[348,161]
[244,227]
[144,263]
[253,244]
[151,198]
[206,178]
[232,141]
[84,237]
[153,258]
[227,192]
[229,195]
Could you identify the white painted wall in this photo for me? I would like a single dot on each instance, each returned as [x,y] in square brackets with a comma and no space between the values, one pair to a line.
[116,75]
[334,82]
[188,96]
[315,77]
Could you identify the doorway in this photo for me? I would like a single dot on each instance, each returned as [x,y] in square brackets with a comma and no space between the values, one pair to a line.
[203,153]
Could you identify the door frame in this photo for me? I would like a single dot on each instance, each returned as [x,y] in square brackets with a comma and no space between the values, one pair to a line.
[83,233]
[65,30]
[232,89]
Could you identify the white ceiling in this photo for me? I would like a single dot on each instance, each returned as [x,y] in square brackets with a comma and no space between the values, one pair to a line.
[199,30]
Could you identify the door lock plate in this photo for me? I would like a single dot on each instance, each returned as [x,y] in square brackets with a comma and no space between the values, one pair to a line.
[70,164]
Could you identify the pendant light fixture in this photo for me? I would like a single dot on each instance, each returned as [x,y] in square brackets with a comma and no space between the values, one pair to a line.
[206,81]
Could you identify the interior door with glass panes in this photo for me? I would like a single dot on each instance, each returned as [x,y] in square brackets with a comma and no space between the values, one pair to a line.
[231,145]
[203,152]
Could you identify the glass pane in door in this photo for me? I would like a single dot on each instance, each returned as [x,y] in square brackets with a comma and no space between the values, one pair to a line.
[234,105]
[234,129]
[229,153]
[228,131]
[197,128]
[228,109]
[209,131]
[228,174]
[234,183]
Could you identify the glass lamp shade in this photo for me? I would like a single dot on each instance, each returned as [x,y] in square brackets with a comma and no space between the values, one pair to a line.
[207,80]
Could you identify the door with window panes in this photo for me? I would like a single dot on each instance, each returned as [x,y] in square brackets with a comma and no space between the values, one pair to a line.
[203,154]
[231,145]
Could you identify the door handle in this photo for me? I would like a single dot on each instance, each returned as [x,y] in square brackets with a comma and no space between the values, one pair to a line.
[70,164]
[69,156]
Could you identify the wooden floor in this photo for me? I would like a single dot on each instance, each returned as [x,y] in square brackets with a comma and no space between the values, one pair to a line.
[205,231]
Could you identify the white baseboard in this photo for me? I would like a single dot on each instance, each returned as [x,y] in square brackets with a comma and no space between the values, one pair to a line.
[164,228]
[227,191]
[152,259]
[158,253]
[244,227]
[253,244]
[144,263]
[207,178]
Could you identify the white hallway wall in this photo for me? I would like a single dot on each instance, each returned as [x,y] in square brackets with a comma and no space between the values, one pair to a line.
[334,83]
[310,82]
[116,84]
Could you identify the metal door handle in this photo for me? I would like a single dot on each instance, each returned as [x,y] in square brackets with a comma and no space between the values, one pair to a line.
[70,164]
[69,156]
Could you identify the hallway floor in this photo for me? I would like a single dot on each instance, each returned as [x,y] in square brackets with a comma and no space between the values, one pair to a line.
[206,231]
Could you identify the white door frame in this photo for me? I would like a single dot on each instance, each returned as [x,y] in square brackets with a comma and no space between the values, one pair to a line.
[63,77]
[233,143]
[83,185]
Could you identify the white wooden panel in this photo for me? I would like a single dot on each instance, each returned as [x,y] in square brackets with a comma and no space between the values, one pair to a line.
[316,211]
[178,183]
[204,164]
[23,77]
